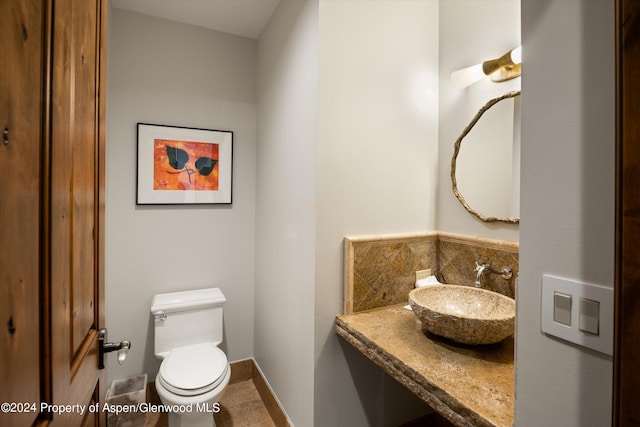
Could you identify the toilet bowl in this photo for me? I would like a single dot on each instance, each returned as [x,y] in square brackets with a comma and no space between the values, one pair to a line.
[194,371]
[190,382]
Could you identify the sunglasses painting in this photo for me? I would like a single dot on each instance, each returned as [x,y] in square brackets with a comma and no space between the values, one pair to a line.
[184,165]
[181,165]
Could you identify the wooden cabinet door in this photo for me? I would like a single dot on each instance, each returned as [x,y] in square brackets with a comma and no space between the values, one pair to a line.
[21,40]
[76,170]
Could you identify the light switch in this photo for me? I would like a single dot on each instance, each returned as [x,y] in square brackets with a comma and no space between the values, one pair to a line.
[578,312]
[590,316]
[562,308]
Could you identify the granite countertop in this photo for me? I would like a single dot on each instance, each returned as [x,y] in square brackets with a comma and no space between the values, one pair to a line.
[468,385]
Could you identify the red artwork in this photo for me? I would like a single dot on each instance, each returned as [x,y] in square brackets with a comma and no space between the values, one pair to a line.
[184,165]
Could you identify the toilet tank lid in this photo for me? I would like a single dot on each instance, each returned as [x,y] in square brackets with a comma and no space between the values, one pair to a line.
[198,298]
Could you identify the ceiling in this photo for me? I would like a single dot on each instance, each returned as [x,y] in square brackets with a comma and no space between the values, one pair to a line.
[246,18]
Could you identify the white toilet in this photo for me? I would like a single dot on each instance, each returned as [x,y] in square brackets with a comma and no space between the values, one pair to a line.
[194,371]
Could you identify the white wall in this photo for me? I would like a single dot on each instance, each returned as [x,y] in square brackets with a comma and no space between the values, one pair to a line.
[472,32]
[286,205]
[567,227]
[174,74]
[377,160]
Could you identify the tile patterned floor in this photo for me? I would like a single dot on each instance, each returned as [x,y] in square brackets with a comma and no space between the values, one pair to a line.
[241,407]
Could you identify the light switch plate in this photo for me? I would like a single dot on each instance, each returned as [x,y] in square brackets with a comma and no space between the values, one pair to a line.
[603,341]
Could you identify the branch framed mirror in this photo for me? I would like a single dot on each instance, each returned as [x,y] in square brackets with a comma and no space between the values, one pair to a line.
[487,171]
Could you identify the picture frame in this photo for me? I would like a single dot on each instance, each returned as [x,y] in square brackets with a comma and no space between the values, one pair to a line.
[183,165]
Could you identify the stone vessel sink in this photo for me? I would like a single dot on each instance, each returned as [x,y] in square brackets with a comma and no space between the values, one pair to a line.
[464,314]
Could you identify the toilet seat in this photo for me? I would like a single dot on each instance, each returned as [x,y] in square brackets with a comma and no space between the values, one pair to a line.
[194,369]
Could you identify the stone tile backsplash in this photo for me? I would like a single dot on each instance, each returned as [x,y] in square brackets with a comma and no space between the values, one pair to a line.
[380,270]
[458,254]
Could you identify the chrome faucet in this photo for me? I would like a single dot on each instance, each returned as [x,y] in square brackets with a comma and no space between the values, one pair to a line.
[485,268]
[481,270]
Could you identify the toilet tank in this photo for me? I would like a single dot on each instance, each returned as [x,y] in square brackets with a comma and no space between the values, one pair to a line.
[185,318]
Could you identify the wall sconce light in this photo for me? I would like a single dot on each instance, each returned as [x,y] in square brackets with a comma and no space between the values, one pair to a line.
[507,67]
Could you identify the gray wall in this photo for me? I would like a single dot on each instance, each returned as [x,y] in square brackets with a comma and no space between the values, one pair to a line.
[168,73]
[377,173]
[285,203]
[567,227]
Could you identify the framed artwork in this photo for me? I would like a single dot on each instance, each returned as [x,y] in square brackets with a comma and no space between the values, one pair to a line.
[180,165]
